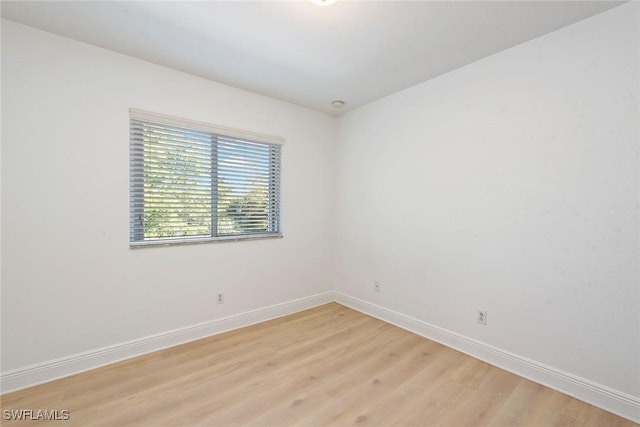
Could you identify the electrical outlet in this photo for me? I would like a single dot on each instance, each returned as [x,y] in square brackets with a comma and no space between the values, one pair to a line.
[482,317]
[377,286]
[220,299]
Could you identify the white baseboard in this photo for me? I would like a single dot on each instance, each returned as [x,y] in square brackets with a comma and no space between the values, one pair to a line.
[63,367]
[617,402]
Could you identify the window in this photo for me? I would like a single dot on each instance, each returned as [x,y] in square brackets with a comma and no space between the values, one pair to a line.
[195,182]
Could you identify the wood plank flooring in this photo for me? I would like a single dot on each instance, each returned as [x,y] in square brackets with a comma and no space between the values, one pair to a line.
[328,366]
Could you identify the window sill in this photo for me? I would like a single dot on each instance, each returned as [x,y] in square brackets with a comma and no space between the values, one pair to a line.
[199,240]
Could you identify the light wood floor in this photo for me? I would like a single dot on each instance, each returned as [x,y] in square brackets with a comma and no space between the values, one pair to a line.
[326,366]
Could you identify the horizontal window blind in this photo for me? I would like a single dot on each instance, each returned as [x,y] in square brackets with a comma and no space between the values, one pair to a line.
[190,182]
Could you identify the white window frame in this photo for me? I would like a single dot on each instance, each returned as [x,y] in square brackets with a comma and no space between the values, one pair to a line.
[236,137]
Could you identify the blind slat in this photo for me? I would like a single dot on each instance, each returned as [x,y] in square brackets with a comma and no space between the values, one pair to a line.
[162,119]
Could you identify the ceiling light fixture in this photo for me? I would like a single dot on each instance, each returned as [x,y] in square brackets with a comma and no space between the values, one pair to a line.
[323,2]
[338,104]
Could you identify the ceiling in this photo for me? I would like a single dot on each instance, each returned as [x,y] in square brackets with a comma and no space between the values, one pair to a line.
[356,51]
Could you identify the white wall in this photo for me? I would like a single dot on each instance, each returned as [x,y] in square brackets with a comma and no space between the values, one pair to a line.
[70,283]
[509,185]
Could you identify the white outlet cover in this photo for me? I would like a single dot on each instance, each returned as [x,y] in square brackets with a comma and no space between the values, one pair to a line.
[482,317]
